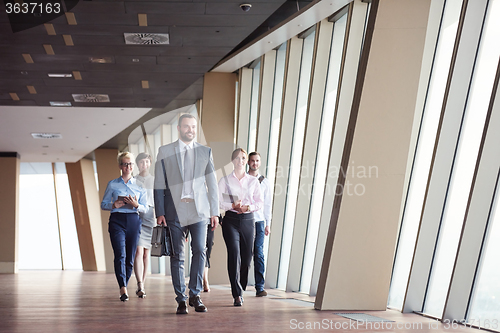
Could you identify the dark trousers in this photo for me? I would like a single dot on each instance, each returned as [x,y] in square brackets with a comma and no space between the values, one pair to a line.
[210,244]
[238,231]
[258,255]
[124,230]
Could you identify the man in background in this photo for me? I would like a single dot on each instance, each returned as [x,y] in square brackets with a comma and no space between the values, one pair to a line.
[262,223]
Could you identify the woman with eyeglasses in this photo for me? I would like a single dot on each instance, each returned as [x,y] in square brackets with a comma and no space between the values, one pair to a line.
[125,199]
[239,196]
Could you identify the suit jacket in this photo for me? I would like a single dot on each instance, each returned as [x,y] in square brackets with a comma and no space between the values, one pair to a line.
[169,182]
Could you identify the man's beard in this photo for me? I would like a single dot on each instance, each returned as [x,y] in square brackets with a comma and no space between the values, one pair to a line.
[185,138]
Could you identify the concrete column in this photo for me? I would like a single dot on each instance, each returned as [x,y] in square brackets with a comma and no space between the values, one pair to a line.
[107,169]
[9,205]
[359,252]
[217,120]
[86,206]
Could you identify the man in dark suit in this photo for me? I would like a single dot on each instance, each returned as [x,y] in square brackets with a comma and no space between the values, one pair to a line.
[186,199]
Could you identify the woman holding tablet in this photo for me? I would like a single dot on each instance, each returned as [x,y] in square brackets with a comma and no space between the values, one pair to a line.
[125,199]
[239,196]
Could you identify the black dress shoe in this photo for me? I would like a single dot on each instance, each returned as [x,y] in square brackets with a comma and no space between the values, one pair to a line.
[182,308]
[195,301]
[124,297]
[238,301]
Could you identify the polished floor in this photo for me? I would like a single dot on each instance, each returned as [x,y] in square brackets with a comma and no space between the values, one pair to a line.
[74,301]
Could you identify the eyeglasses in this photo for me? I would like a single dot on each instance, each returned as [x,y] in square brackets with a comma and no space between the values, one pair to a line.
[127,164]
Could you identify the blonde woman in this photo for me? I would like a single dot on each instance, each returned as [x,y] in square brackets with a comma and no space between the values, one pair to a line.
[145,180]
[125,199]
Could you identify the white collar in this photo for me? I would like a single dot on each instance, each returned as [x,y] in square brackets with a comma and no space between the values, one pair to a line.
[183,146]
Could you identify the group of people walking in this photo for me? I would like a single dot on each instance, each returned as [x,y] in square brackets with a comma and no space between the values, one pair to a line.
[185,196]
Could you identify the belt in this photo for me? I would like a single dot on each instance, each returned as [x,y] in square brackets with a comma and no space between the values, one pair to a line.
[187,200]
[244,216]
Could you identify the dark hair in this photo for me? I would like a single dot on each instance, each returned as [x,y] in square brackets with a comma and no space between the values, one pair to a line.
[142,156]
[236,152]
[253,154]
[185,115]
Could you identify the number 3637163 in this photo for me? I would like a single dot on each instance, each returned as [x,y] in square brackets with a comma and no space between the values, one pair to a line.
[33,8]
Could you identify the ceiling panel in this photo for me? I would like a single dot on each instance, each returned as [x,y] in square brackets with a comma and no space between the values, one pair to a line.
[147,7]
[171,60]
[191,20]
[147,69]
[35,39]
[98,7]
[224,8]
[107,29]
[136,60]
[57,68]
[100,18]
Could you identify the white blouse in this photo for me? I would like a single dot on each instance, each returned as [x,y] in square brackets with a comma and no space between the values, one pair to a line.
[247,189]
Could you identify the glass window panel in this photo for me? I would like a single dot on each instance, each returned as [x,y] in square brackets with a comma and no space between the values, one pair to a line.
[485,305]
[321,164]
[274,132]
[423,156]
[69,237]
[296,157]
[141,147]
[96,177]
[38,218]
[254,106]
[269,170]
[174,132]
[472,128]
[157,143]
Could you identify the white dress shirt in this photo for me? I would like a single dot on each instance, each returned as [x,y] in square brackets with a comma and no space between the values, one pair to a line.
[247,189]
[182,151]
[265,213]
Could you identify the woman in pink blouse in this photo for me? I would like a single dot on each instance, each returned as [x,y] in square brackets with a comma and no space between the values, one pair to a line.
[239,196]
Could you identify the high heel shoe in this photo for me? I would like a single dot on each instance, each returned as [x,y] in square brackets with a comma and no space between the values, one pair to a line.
[206,287]
[141,293]
[238,301]
[123,297]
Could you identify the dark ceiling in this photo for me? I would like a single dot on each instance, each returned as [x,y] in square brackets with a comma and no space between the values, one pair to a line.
[161,77]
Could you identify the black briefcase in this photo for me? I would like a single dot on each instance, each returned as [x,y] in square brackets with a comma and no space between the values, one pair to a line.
[161,242]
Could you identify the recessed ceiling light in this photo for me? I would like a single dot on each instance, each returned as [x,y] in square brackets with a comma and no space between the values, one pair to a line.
[60,75]
[46,135]
[135,60]
[101,60]
[24,73]
[60,104]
